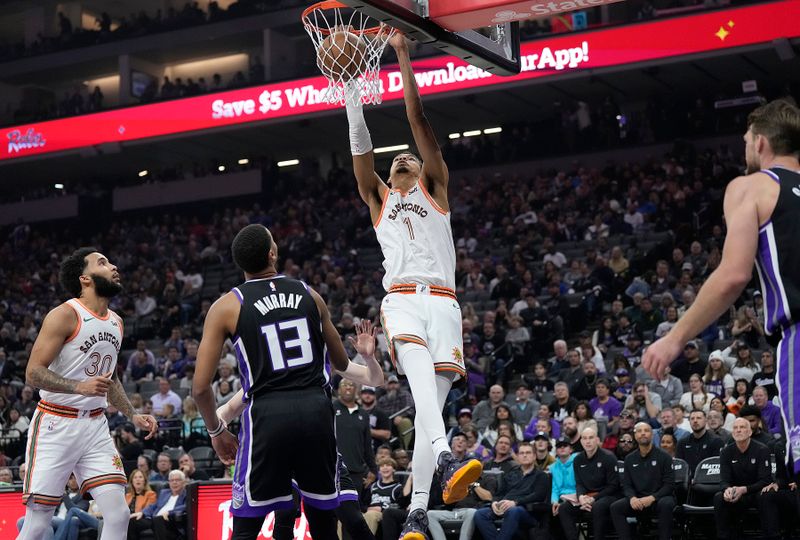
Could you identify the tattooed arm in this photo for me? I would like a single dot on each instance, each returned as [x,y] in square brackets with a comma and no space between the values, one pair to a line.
[119,399]
[57,327]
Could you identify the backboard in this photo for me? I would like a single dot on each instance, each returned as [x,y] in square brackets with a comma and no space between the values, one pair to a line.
[495,48]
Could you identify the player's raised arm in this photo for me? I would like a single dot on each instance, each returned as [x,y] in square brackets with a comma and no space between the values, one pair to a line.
[220,322]
[434,169]
[370,186]
[372,373]
[57,327]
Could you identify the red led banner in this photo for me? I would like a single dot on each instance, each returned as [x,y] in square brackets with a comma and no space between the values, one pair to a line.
[550,56]
[11,509]
[215,522]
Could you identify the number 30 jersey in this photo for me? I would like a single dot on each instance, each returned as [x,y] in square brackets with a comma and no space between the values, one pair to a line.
[416,240]
[278,342]
[91,350]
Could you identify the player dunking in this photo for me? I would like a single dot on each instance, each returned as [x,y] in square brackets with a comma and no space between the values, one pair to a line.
[73,363]
[420,316]
[282,332]
[761,213]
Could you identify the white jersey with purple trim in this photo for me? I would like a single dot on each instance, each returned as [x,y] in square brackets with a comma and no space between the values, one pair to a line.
[416,239]
[91,350]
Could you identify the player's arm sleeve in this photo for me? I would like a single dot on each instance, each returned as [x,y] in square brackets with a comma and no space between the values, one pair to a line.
[58,327]
[363,157]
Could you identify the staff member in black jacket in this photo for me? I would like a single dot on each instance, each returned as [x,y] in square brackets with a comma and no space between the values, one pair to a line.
[353,437]
[597,486]
[701,444]
[744,472]
[520,486]
[647,485]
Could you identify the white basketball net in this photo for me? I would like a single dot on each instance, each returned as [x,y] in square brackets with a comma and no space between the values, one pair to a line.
[344,88]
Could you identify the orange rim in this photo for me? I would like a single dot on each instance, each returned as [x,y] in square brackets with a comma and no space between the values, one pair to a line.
[334,4]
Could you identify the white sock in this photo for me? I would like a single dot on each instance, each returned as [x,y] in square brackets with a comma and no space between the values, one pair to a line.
[116,515]
[430,393]
[37,524]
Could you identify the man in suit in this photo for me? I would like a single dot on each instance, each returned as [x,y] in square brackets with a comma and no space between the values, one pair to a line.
[171,503]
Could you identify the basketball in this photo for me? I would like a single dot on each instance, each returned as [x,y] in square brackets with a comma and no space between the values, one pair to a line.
[341,56]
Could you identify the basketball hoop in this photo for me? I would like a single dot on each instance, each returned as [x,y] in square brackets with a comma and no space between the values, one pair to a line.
[349,49]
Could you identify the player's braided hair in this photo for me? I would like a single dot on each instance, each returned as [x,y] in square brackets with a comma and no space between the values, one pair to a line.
[72,269]
[251,247]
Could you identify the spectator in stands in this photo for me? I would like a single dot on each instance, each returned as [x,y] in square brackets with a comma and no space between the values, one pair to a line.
[543,448]
[138,496]
[384,491]
[766,377]
[770,413]
[605,407]
[569,430]
[188,378]
[164,396]
[668,441]
[752,414]
[162,514]
[717,380]
[192,420]
[667,420]
[141,370]
[716,425]
[464,419]
[25,405]
[744,473]
[401,458]
[187,465]
[697,397]
[141,347]
[475,447]
[6,477]
[525,406]
[177,369]
[583,414]
[502,413]
[746,328]
[558,361]
[669,388]
[163,466]
[145,303]
[701,444]
[399,405]
[17,425]
[647,485]
[516,488]
[681,420]
[584,389]
[503,455]
[649,318]
[144,465]
[742,365]
[459,446]
[563,475]
[596,487]
[484,412]
[689,363]
[623,381]
[646,404]
[379,422]
[740,396]
[225,373]
[625,445]
[562,404]
[130,447]
[539,383]
[671,318]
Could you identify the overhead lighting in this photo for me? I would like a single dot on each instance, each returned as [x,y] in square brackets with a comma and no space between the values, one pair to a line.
[395,148]
[143,173]
[472,133]
[455,135]
[489,131]
[244,161]
[288,163]
[221,168]
[58,186]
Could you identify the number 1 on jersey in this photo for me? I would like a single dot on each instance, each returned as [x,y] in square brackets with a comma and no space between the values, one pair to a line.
[277,346]
[407,221]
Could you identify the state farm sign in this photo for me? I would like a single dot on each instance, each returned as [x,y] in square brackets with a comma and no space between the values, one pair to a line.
[457,15]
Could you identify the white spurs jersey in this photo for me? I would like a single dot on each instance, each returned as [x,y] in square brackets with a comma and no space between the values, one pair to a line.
[91,350]
[416,240]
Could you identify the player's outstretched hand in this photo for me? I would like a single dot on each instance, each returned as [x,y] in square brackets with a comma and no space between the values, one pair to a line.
[364,342]
[94,386]
[146,422]
[225,445]
[658,356]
